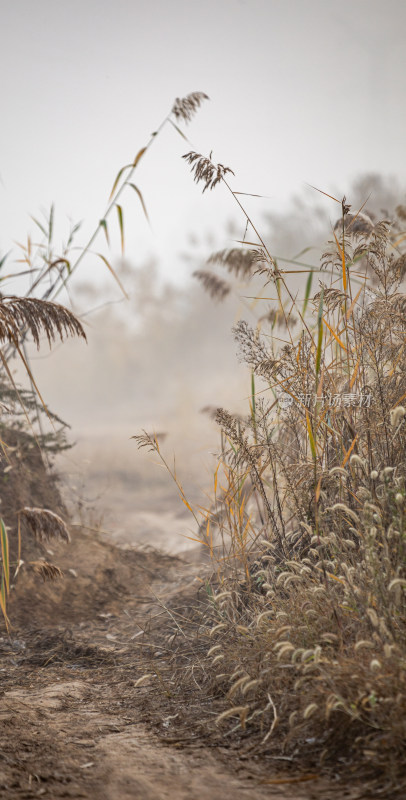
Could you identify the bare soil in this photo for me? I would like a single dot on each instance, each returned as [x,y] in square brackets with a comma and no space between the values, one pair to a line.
[73,724]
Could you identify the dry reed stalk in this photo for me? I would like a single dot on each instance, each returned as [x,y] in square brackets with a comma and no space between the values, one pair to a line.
[307,614]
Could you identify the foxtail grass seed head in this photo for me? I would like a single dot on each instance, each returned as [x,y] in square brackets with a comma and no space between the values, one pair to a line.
[396,416]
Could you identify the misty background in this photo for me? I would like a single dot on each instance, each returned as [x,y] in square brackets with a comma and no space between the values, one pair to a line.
[300,93]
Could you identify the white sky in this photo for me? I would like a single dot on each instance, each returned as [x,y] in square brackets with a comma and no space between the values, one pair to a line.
[301,91]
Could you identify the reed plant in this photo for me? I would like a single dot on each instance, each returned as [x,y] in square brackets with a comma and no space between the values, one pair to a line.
[305,616]
[306,612]
[48,268]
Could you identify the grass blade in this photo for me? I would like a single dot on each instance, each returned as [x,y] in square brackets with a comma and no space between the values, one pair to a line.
[103,224]
[311,437]
[41,227]
[319,346]
[253,406]
[121,224]
[51,223]
[349,451]
[136,189]
[114,274]
[3,602]
[333,333]
[117,180]
[354,374]
[320,327]
[3,260]
[5,555]
[307,291]
[342,254]
[138,157]
[351,308]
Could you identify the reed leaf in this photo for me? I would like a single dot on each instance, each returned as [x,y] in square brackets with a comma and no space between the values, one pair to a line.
[121,225]
[5,555]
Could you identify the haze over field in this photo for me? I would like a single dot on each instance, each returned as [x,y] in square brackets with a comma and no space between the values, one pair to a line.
[299,93]
[203,476]
[156,360]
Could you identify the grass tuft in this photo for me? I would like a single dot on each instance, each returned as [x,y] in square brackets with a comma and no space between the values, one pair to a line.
[305,616]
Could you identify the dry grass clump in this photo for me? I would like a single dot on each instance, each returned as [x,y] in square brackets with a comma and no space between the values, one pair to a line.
[47,571]
[307,612]
[51,269]
[309,623]
[45,525]
[313,643]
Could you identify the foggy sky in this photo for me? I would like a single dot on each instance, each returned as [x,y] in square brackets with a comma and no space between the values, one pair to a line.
[301,91]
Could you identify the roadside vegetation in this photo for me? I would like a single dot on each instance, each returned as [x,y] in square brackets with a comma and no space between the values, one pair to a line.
[48,268]
[298,638]
[305,615]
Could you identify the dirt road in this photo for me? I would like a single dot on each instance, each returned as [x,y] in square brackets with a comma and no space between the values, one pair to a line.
[73,722]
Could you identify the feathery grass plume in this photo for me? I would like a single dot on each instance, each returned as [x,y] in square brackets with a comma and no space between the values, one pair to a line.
[250,457]
[332,298]
[359,224]
[401,212]
[185,108]
[266,266]
[276,318]
[217,288]
[205,170]
[238,261]
[45,525]
[38,316]
[47,571]
[399,266]
[211,411]
[149,440]
[253,349]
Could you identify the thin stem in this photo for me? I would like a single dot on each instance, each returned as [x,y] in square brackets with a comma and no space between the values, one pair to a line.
[112,203]
[271,258]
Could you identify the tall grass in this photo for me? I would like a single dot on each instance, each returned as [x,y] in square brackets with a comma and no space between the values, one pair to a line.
[307,610]
[306,613]
[49,269]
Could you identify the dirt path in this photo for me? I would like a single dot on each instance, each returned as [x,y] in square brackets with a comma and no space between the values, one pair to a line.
[72,723]
[71,748]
